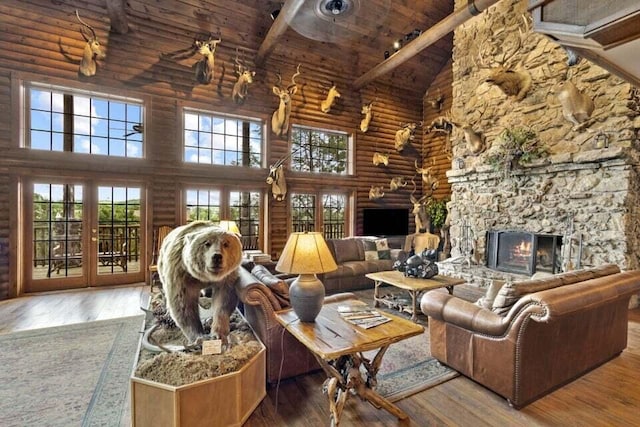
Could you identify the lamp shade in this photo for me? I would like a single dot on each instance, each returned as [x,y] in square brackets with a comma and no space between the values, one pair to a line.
[229,225]
[306,253]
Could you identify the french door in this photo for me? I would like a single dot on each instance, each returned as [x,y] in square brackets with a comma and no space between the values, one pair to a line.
[81,234]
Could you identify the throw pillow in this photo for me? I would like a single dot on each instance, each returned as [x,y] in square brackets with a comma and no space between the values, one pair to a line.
[278,286]
[487,300]
[346,250]
[370,250]
[382,247]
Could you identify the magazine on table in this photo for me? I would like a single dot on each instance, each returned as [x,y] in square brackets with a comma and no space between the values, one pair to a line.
[360,314]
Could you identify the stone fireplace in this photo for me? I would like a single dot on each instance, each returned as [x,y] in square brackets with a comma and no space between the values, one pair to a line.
[581,200]
[523,253]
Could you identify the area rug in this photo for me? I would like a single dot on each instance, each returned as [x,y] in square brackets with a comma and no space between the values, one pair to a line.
[74,375]
[407,366]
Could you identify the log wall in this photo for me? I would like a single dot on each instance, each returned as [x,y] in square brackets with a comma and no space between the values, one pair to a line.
[40,42]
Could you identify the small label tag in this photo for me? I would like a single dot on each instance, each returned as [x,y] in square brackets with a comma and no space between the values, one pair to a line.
[211,347]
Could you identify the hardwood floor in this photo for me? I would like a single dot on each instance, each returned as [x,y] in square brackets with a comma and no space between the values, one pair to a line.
[607,396]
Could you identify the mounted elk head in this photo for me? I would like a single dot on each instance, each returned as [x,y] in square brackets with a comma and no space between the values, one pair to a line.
[92,50]
[577,107]
[379,158]
[376,192]
[367,110]
[502,68]
[405,134]
[397,182]
[276,179]
[204,67]
[327,103]
[280,117]
[245,78]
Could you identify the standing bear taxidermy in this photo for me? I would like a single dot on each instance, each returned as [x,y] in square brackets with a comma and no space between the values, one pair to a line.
[193,257]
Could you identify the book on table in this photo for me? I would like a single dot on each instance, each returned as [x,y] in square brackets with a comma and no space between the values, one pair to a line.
[360,314]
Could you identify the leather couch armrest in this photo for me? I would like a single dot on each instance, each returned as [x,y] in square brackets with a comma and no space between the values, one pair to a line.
[253,292]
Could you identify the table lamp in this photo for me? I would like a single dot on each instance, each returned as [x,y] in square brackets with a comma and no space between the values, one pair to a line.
[306,254]
[229,225]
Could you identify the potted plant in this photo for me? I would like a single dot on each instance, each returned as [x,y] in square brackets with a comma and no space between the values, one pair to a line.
[515,146]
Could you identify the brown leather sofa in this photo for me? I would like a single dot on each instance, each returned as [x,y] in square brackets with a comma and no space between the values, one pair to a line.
[557,329]
[260,302]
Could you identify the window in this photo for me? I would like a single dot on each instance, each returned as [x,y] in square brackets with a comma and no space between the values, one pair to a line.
[330,218]
[222,140]
[319,151]
[241,206]
[62,120]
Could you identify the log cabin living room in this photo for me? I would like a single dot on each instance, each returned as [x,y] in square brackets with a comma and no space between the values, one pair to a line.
[467,172]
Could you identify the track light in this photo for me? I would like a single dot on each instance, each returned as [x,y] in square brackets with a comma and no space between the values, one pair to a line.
[397,45]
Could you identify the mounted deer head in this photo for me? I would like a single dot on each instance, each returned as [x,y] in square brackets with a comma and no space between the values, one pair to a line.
[92,50]
[419,211]
[379,158]
[367,110]
[280,117]
[327,103]
[276,179]
[204,67]
[397,182]
[429,182]
[245,78]
[376,192]
[405,134]
[502,71]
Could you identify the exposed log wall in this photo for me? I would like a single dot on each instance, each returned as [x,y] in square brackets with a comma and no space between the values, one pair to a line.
[40,42]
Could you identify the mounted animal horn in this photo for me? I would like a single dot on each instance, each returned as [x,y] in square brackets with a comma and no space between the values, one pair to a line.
[92,49]
[280,117]
[276,178]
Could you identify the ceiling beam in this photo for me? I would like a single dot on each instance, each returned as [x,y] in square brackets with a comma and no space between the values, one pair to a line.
[279,26]
[118,16]
[425,40]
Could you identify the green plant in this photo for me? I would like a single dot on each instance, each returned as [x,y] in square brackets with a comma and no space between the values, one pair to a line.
[517,145]
[437,212]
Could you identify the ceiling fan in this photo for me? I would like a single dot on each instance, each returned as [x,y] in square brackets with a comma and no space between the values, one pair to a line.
[338,20]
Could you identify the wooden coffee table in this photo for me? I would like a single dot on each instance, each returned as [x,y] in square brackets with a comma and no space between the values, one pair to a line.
[339,345]
[411,284]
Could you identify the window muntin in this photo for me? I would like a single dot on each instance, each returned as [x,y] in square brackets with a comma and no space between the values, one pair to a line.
[334,215]
[222,140]
[303,212]
[66,120]
[330,218]
[203,204]
[319,151]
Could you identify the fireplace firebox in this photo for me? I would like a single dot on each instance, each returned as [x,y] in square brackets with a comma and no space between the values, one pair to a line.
[522,252]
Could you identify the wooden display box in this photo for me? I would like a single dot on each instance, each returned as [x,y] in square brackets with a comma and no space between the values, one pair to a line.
[227,400]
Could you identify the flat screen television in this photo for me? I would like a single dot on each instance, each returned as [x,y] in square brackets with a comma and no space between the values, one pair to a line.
[385,222]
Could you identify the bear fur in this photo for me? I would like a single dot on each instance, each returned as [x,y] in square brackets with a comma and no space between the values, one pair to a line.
[193,257]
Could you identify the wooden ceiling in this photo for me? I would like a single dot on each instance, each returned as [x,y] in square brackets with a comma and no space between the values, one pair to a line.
[361,46]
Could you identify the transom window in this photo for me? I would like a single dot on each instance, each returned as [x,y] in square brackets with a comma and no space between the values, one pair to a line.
[330,218]
[317,150]
[64,120]
[222,140]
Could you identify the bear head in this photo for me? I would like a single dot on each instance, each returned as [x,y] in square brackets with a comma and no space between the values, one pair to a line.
[210,254]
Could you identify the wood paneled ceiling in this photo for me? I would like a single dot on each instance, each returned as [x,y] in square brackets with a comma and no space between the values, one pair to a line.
[245,23]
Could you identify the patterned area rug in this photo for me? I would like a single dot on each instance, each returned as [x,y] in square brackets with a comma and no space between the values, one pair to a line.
[74,375]
[407,366]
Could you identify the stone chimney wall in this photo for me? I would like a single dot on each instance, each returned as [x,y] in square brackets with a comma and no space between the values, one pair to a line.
[589,182]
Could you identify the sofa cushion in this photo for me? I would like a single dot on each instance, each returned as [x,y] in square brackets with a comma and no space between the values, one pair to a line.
[348,249]
[486,301]
[279,287]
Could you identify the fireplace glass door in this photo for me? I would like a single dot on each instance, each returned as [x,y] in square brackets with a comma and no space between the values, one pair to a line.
[523,253]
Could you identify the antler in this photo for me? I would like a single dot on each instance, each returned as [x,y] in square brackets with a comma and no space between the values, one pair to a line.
[285,158]
[293,78]
[93,33]
[279,81]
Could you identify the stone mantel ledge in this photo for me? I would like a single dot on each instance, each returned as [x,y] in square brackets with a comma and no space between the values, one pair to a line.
[592,159]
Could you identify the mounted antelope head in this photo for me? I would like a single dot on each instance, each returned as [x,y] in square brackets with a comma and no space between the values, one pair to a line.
[204,67]
[280,117]
[367,110]
[397,182]
[276,179]
[576,106]
[502,72]
[379,158]
[327,103]
[405,134]
[376,192]
[419,211]
[92,50]
[245,78]
[429,182]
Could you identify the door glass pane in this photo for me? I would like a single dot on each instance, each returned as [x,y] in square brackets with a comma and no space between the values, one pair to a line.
[118,230]
[57,230]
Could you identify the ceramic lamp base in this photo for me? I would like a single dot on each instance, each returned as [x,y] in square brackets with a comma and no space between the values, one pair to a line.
[306,294]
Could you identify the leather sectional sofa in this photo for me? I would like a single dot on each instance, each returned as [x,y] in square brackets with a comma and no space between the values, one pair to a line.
[550,332]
